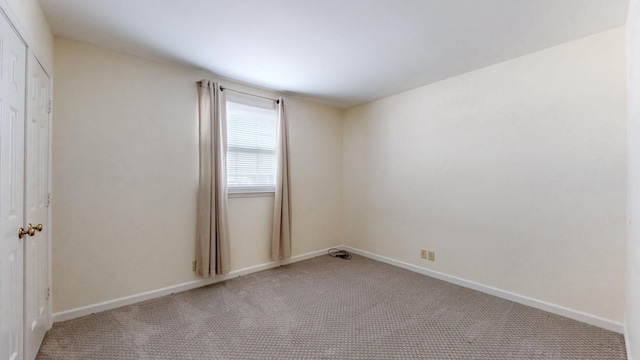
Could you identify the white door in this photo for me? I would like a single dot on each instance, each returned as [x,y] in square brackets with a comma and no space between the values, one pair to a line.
[37,292]
[12,106]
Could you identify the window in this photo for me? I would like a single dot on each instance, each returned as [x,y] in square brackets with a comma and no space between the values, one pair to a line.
[251,144]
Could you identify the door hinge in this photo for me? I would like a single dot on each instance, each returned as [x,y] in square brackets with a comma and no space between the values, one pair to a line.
[48,292]
[49,108]
[48,199]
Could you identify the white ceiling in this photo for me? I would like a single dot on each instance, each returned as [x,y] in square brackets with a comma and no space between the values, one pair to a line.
[340,52]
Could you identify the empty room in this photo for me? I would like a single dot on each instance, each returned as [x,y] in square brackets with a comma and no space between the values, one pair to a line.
[306,179]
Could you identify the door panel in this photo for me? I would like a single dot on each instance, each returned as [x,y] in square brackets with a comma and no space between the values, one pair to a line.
[36,211]
[12,111]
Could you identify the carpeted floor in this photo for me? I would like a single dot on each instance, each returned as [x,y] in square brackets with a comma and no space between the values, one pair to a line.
[329,308]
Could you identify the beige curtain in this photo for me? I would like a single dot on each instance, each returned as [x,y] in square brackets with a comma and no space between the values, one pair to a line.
[281,239]
[212,228]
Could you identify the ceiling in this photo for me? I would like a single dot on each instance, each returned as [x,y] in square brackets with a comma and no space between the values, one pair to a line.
[339,52]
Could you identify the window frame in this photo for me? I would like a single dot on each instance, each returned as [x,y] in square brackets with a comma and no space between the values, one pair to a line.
[250,190]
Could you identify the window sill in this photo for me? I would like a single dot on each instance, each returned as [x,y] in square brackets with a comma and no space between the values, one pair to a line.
[248,194]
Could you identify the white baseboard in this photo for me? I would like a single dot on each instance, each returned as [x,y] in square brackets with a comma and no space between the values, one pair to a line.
[132,299]
[627,344]
[521,299]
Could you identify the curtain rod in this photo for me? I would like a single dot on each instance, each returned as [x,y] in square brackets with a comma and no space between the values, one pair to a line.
[241,92]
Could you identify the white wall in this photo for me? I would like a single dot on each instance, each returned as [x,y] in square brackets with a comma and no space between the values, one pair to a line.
[514,174]
[125,178]
[38,33]
[633,242]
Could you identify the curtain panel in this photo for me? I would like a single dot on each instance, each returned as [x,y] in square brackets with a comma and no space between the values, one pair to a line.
[281,238]
[212,228]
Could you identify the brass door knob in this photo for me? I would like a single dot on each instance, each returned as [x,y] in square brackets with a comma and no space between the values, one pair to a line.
[31,230]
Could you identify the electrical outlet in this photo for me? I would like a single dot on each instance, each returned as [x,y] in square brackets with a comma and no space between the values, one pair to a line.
[423,253]
[193,265]
[431,255]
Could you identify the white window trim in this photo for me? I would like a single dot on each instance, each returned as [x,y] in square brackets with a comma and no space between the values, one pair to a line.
[250,190]
[250,194]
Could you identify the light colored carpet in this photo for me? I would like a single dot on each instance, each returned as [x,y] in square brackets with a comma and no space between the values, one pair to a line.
[329,308]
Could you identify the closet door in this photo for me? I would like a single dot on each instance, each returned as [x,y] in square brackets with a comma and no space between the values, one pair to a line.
[12,108]
[37,291]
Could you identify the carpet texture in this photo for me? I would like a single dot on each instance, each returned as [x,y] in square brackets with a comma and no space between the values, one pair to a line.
[329,308]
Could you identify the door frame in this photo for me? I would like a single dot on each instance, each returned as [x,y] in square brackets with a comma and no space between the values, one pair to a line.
[50,198]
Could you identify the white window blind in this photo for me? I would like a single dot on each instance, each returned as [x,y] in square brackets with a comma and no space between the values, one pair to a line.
[251,145]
